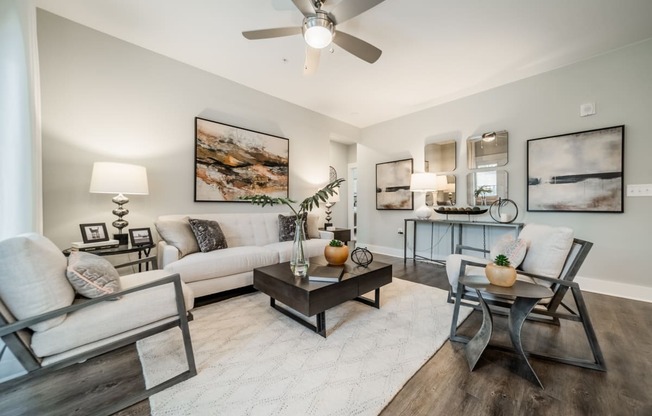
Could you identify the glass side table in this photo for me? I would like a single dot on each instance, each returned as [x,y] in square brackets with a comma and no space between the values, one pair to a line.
[143,251]
[526,296]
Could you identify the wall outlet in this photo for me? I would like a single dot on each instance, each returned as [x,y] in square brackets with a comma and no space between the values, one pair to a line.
[639,190]
[400,231]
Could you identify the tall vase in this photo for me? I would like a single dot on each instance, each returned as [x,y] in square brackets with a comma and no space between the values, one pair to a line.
[299,261]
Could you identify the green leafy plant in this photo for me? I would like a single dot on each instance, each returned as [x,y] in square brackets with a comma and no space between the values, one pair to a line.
[502,260]
[484,189]
[305,206]
[336,243]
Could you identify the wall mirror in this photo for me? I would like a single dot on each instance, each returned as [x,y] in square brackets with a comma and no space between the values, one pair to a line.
[440,157]
[483,188]
[445,193]
[488,150]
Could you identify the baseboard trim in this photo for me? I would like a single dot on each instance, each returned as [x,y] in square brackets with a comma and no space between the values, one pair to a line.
[618,289]
[587,284]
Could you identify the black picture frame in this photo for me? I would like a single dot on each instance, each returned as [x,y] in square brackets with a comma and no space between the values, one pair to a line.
[140,237]
[577,172]
[393,185]
[233,162]
[94,233]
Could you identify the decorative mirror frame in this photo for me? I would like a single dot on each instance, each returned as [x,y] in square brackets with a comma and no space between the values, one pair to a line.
[491,146]
[496,187]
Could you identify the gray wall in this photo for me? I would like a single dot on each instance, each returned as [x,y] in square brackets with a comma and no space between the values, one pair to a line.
[107,100]
[621,85]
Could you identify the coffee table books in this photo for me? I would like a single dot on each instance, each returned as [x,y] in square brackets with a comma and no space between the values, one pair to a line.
[319,273]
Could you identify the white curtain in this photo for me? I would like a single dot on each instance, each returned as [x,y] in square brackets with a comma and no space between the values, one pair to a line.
[20,115]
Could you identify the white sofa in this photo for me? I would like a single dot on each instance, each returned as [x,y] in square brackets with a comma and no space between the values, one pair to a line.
[252,239]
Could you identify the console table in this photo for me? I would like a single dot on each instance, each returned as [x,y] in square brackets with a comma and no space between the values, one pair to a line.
[459,224]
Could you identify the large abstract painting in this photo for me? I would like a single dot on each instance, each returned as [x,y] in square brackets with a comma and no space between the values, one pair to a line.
[580,172]
[393,185]
[232,162]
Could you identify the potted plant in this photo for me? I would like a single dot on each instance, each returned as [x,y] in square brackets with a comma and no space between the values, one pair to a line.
[336,253]
[501,272]
[481,192]
[299,261]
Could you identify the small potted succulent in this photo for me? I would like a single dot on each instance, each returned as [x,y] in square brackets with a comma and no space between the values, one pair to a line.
[501,272]
[336,252]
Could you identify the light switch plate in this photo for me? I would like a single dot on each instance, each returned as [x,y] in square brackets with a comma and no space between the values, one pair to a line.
[639,190]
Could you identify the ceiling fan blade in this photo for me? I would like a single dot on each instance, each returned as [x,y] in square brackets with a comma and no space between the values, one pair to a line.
[271,33]
[348,9]
[312,60]
[305,7]
[358,47]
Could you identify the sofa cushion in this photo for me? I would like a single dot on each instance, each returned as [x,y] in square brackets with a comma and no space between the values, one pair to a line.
[177,233]
[208,233]
[514,249]
[547,250]
[219,263]
[33,278]
[106,319]
[91,275]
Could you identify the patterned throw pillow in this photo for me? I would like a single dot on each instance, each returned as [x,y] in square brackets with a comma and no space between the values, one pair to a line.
[209,235]
[514,249]
[287,226]
[92,276]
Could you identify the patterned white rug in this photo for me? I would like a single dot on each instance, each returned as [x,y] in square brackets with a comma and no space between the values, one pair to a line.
[252,360]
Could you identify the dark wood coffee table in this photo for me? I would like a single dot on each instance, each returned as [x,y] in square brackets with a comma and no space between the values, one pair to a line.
[314,298]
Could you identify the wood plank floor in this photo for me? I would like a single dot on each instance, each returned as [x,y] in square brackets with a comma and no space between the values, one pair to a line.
[443,386]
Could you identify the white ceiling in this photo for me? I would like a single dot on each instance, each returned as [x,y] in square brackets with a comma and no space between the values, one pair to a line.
[434,51]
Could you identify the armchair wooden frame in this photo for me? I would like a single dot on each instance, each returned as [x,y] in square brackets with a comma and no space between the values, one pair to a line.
[550,312]
[19,346]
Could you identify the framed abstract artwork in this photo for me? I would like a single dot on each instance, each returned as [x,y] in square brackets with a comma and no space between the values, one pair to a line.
[232,162]
[576,172]
[393,185]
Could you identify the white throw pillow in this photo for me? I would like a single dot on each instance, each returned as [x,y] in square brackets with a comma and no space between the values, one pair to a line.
[453,263]
[514,249]
[547,250]
[313,226]
[33,278]
[92,276]
[178,233]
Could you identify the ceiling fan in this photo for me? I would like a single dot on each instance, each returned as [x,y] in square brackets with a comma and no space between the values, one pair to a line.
[318,30]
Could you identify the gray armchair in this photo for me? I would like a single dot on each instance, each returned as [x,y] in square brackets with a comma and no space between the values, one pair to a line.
[47,329]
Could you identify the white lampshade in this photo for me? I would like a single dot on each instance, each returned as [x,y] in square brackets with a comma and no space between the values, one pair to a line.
[118,178]
[334,198]
[442,182]
[423,182]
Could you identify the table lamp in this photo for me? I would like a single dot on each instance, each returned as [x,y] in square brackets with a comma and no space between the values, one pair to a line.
[120,179]
[423,182]
[332,200]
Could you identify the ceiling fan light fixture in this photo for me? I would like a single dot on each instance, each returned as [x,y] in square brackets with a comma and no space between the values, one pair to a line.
[489,137]
[318,31]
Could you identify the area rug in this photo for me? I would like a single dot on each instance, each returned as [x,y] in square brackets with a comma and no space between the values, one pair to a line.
[252,360]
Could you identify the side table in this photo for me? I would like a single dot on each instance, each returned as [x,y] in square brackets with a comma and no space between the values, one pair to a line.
[526,296]
[342,234]
[143,250]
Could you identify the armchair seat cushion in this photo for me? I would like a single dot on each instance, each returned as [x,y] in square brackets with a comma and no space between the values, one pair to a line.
[107,319]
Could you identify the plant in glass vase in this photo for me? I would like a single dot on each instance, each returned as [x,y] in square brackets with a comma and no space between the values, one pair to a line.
[299,260]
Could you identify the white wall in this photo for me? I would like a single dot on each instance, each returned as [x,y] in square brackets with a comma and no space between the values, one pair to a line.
[621,85]
[107,100]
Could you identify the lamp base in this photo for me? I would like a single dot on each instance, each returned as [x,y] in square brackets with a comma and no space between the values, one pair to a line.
[123,239]
[424,212]
[327,224]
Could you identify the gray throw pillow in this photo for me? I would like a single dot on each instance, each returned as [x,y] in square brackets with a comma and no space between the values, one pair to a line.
[92,276]
[287,226]
[209,235]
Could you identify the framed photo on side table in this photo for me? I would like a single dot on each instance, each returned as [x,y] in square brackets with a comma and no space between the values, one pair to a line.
[577,172]
[94,233]
[140,237]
